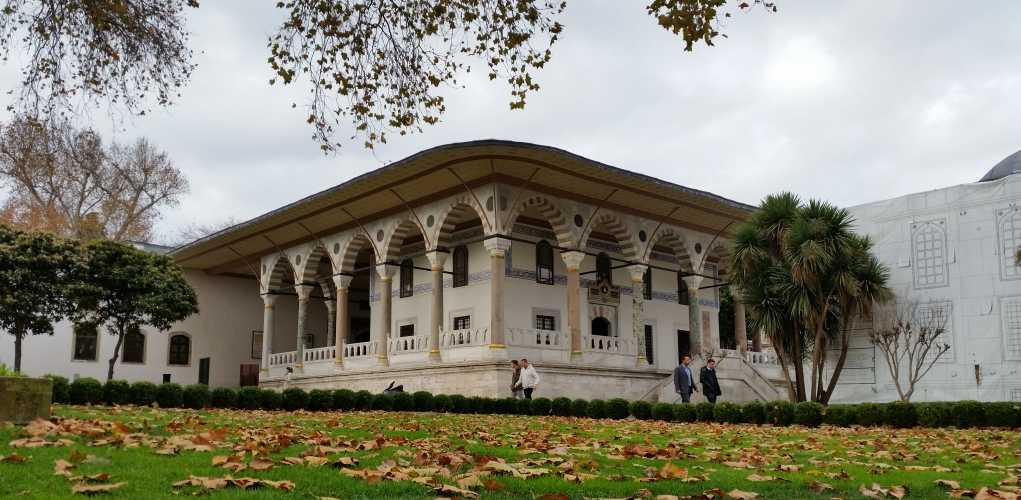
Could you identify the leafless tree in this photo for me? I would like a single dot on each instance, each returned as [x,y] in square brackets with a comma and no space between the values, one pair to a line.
[194,231]
[64,180]
[910,336]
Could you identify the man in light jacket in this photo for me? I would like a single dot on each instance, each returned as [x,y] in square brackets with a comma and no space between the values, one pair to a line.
[529,378]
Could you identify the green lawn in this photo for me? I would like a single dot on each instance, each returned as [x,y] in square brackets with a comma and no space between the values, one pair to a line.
[411,455]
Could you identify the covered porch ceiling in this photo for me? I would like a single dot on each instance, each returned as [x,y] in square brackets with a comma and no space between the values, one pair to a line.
[446,170]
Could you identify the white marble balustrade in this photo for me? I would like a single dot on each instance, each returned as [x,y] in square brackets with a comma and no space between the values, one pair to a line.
[467,337]
[328,353]
[417,343]
[360,350]
[609,345]
[528,337]
[283,358]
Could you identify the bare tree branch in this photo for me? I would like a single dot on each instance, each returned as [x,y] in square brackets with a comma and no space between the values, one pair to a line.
[910,336]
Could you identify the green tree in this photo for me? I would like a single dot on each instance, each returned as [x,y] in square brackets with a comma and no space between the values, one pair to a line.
[125,289]
[806,276]
[35,269]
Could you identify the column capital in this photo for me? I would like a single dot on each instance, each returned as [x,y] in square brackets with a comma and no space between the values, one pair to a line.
[386,272]
[637,272]
[437,258]
[269,299]
[497,246]
[693,281]
[303,291]
[342,281]
[572,259]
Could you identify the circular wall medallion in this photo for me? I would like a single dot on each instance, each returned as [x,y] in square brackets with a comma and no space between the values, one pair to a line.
[489,204]
[578,220]
[379,235]
[642,236]
[297,260]
[429,221]
[698,248]
[336,248]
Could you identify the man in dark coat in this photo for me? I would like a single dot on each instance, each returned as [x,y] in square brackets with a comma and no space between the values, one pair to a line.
[684,384]
[710,384]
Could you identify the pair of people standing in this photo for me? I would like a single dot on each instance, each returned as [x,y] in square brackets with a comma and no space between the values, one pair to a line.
[684,383]
[524,379]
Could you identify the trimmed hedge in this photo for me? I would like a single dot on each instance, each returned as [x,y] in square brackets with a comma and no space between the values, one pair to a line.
[839,415]
[249,398]
[579,408]
[901,414]
[684,412]
[319,400]
[117,392]
[403,401]
[293,399]
[642,410]
[61,388]
[424,401]
[704,411]
[442,403]
[808,413]
[870,414]
[562,407]
[344,399]
[196,396]
[617,408]
[223,397]
[754,413]
[143,393]
[382,402]
[363,400]
[86,391]
[271,400]
[170,395]
[968,414]
[596,408]
[727,412]
[663,411]
[542,406]
[780,413]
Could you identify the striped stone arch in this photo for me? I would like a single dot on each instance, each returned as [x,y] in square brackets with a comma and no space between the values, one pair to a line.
[675,240]
[549,211]
[281,269]
[460,209]
[348,255]
[392,244]
[310,271]
[615,225]
[720,255]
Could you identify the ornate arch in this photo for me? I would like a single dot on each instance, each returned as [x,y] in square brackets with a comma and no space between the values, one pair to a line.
[349,253]
[719,255]
[549,211]
[392,247]
[460,208]
[675,240]
[310,270]
[281,267]
[618,228]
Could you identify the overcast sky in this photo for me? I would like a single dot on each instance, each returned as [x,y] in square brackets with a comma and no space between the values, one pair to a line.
[846,101]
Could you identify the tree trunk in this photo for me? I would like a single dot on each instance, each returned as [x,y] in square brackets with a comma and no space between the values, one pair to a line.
[18,336]
[116,352]
[787,378]
[799,368]
[839,367]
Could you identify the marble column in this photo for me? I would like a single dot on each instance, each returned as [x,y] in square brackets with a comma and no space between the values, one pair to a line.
[637,272]
[699,343]
[436,260]
[740,323]
[304,292]
[268,304]
[343,321]
[572,260]
[497,248]
[382,338]
[331,319]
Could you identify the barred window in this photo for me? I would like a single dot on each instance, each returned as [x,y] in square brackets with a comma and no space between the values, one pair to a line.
[180,350]
[134,346]
[543,322]
[407,278]
[648,344]
[604,268]
[929,247]
[460,266]
[462,322]
[543,263]
[647,282]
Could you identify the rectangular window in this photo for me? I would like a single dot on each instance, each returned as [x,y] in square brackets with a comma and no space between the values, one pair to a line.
[1010,313]
[204,371]
[134,347]
[407,281]
[462,322]
[935,316]
[543,322]
[647,281]
[648,344]
[86,338]
[407,330]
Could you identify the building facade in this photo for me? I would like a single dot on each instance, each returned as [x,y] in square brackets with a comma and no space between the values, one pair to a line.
[951,253]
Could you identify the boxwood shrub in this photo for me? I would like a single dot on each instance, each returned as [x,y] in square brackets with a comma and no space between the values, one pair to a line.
[86,391]
[780,413]
[839,415]
[808,413]
[143,393]
[642,410]
[319,400]
[363,400]
[727,412]
[704,411]
[968,414]
[117,392]
[383,402]
[223,397]
[663,411]
[61,388]
[617,408]
[475,405]
[423,401]
[754,413]
[195,396]
[270,400]
[403,401]
[684,412]
[344,399]
[562,407]
[901,415]
[579,408]
[1003,414]
[523,407]
[458,403]
[443,403]
[249,398]
[596,409]
[170,395]
[506,406]
[934,414]
[294,398]
[541,406]
[870,414]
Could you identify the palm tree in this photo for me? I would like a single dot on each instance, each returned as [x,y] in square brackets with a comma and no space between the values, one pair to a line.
[805,277]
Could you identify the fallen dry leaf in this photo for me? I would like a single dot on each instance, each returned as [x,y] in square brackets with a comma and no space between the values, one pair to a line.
[91,489]
[742,495]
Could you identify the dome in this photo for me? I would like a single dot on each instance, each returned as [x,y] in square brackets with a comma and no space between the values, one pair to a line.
[1007,166]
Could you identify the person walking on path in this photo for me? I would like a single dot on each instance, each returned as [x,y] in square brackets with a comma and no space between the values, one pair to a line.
[710,384]
[529,378]
[684,384]
[515,380]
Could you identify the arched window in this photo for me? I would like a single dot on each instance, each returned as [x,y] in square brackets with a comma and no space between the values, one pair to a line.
[601,326]
[134,346]
[929,246]
[407,278]
[180,350]
[460,266]
[543,263]
[682,290]
[647,281]
[86,340]
[604,269]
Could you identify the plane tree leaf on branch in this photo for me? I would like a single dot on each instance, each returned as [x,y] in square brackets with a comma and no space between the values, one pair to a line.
[65,180]
[910,336]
